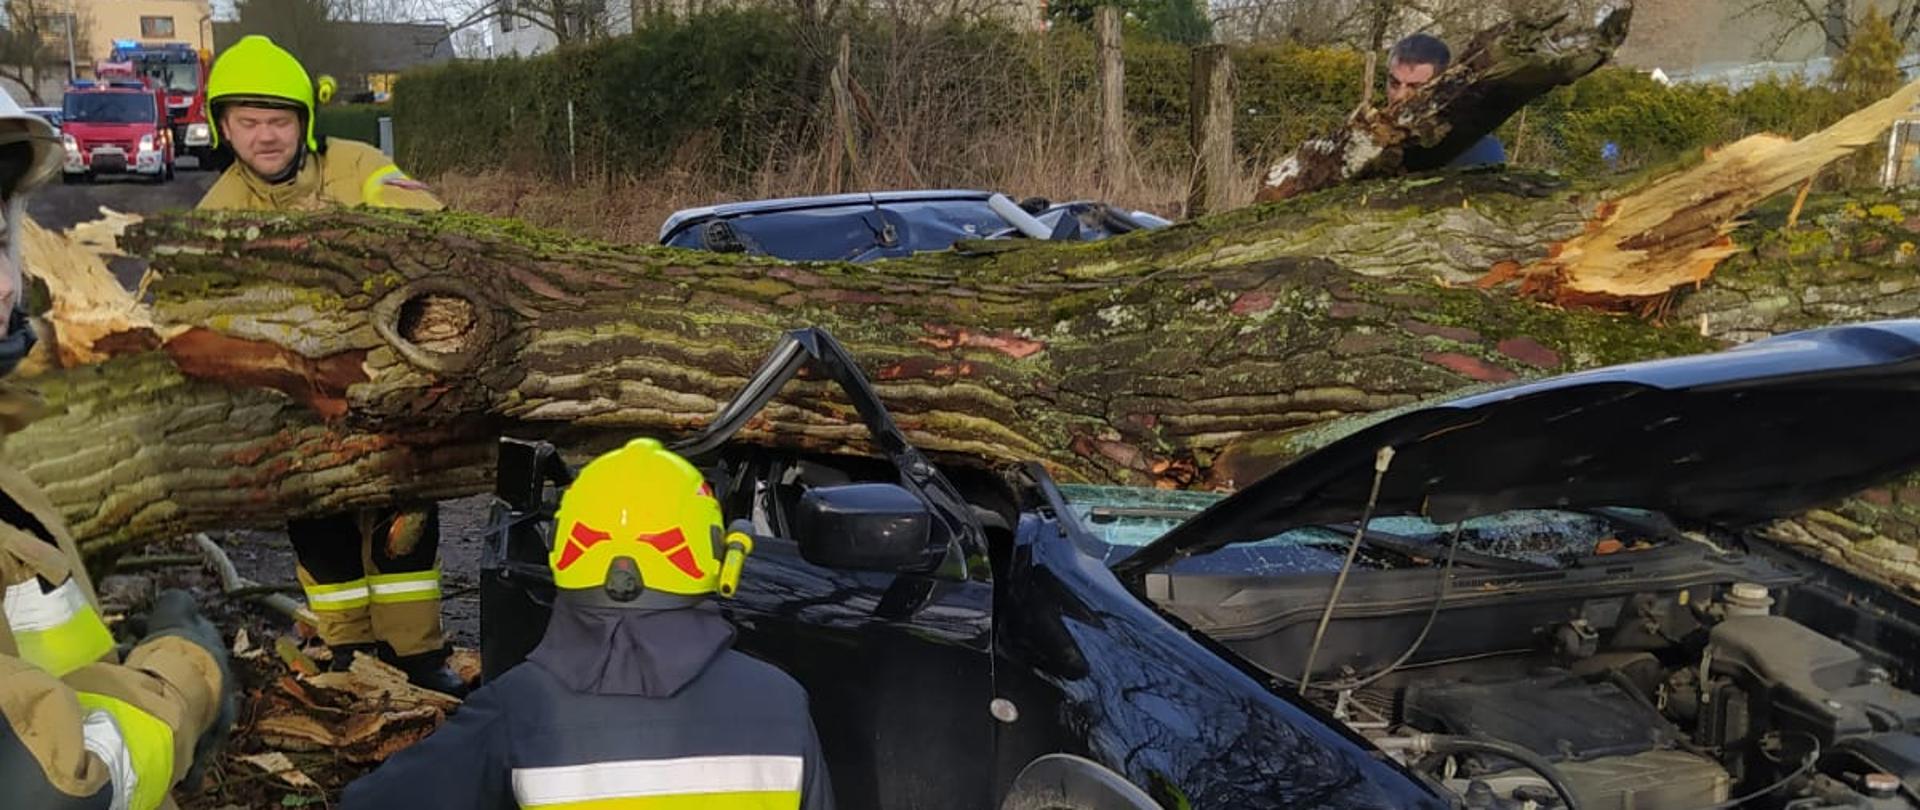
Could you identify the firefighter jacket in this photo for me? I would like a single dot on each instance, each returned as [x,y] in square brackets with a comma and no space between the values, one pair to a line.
[78,729]
[618,708]
[347,173]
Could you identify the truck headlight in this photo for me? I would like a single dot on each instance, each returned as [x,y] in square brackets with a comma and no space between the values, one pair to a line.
[72,145]
[146,142]
[198,133]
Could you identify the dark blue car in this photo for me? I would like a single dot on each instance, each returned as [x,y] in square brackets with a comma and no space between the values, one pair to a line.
[1554,594]
[885,225]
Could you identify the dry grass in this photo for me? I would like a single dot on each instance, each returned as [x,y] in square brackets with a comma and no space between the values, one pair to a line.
[629,210]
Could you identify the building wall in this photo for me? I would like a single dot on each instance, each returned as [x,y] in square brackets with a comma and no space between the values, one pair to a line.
[120,19]
[1687,36]
[522,38]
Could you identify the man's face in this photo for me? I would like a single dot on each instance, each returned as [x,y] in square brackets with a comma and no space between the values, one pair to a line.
[1405,77]
[264,139]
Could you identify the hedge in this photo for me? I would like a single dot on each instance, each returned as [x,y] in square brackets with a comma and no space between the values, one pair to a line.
[747,89]
[359,122]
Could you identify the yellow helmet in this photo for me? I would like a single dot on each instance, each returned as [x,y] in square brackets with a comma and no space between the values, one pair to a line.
[258,71]
[642,525]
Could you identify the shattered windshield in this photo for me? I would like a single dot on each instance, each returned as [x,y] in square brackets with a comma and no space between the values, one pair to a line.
[1123,519]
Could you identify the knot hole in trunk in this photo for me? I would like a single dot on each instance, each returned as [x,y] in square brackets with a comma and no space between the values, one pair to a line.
[437,324]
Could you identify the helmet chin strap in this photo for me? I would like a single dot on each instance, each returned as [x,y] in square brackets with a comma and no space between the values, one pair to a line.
[292,168]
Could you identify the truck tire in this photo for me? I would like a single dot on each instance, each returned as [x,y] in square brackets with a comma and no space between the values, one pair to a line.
[1068,782]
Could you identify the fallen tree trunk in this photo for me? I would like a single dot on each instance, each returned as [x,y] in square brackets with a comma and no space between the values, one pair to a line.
[303,364]
[294,365]
[300,364]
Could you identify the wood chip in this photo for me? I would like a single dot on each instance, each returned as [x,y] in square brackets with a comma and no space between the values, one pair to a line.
[277,764]
[243,647]
[359,738]
[465,662]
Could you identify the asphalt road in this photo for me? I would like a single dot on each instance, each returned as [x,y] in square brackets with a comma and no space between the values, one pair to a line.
[265,556]
[62,206]
[59,206]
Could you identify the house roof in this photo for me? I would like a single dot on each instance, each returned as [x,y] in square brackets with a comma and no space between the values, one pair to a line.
[369,48]
[394,47]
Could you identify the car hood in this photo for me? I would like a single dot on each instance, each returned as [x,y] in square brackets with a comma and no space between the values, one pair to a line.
[1733,438]
[109,132]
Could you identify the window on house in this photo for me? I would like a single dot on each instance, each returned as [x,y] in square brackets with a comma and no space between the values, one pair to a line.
[156,27]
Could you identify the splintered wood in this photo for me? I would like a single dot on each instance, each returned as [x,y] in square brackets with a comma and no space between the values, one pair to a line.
[1673,233]
[362,715]
[92,314]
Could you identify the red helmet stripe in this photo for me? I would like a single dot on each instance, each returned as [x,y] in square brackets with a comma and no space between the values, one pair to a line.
[580,539]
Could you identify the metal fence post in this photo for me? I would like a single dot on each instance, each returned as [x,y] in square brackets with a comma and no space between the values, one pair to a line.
[573,162]
[386,135]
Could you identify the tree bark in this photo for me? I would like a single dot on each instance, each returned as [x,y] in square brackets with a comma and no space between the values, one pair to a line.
[292,365]
[1500,71]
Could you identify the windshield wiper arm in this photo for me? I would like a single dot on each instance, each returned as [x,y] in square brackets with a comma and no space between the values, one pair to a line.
[1109,514]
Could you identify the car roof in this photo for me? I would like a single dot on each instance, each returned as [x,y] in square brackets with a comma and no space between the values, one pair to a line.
[685,218]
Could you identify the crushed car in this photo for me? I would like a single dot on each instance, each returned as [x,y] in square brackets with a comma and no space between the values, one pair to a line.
[886,225]
[1551,594]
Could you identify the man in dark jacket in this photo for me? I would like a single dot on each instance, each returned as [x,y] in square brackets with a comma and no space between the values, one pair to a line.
[634,697]
[1412,63]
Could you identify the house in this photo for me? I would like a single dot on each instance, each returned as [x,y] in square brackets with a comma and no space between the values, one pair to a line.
[108,21]
[361,56]
[382,51]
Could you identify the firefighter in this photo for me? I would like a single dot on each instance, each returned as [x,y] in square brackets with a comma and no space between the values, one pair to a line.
[634,698]
[79,728]
[372,577]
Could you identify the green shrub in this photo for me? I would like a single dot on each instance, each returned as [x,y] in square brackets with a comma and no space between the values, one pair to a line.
[357,122]
[1650,123]
[743,92]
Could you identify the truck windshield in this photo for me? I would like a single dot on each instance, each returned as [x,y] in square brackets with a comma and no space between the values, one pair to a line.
[177,77]
[108,108]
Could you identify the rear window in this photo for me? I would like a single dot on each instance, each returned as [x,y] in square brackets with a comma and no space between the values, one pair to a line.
[109,108]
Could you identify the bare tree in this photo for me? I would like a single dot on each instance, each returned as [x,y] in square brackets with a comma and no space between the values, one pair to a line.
[569,21]
[34,44]
[1834,20]
[1371,24]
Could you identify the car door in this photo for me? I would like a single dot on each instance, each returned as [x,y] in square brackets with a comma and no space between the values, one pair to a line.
[898,666]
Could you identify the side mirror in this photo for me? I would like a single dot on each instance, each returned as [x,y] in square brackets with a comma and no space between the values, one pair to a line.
[867,527]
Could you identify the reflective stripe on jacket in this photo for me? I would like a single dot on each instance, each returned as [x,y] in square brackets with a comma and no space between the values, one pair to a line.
[77,729]
[681,721]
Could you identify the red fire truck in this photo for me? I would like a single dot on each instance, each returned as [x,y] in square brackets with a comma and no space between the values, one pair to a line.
[115,125]
[181,72]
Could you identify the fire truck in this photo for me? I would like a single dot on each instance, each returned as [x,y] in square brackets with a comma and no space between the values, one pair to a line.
[180,71]
[115,125]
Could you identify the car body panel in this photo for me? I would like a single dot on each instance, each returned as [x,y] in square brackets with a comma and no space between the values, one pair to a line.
[879,225]
[1107,676]
[934,690]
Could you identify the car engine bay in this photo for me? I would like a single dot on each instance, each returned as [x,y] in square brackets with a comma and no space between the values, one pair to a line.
[1680,708]
[1707,695]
